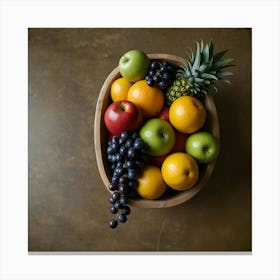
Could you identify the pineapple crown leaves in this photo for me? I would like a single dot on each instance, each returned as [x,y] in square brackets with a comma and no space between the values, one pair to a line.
[205,67]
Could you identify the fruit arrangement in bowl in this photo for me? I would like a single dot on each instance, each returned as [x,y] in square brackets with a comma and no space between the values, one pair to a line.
[156,129]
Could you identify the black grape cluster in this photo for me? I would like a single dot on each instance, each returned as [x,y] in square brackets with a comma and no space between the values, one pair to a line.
[126,155]
[161,73]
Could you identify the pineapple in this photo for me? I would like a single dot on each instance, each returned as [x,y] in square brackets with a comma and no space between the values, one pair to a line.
[197,76]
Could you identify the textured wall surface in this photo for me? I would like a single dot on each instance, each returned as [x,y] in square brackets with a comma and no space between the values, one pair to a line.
[68,206]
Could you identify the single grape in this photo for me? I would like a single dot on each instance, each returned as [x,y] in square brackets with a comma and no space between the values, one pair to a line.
[165,64]
[162,84]
[150,80]
[110,150]
[114,197]
[113,158]
[119,171]
[121,141]
[123,150]
[115,179]
[166,76]
[113,166]
[138,144]
[113,210]
[118,205]
[115,146]
[113,186]
[132,153]
[119,157]
[126,210]
[154,64]
[115,139]
[131,173]
[123,189]
[113,223]
[129,143]
[111,200]
[125,135]
[123,200]
[122,218]
[132,183]
[163,68]
[123,180]
[109,157]
[129,164]
[156,77]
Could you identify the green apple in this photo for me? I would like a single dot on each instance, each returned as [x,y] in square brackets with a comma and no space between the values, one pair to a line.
[134,65]
[202,146]
[158,135]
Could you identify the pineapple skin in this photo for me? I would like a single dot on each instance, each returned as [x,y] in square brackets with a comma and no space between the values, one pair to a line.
[180,87]
[199,73]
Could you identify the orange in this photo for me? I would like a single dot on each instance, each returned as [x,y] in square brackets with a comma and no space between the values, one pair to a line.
[119,89]
[180,171]
[149,99]
[187,114]
[150,182]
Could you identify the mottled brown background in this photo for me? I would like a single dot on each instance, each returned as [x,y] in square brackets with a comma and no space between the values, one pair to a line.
[68,207]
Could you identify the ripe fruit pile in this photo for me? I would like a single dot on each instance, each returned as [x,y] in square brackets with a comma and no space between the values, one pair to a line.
[155,124]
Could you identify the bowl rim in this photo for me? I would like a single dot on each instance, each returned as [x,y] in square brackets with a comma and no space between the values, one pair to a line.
[180,197]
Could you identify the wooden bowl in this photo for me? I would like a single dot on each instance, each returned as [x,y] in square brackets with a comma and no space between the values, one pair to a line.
[170,198]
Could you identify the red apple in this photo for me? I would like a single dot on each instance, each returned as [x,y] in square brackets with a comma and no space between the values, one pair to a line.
[122,115]
[157,160]
[164,114]
[180,142]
